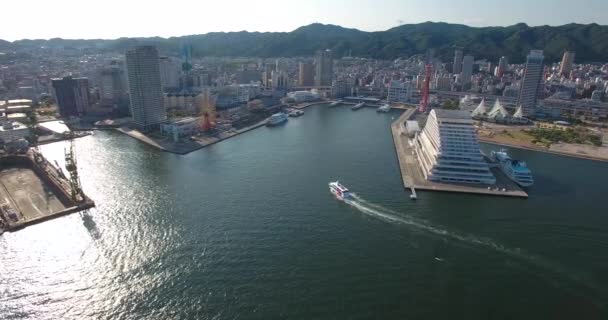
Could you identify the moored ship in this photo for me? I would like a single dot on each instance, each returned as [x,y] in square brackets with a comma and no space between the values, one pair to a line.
[277,119]
[358,106]
[516,170]
[384,108]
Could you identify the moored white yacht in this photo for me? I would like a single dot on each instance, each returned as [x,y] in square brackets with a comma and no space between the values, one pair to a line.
[384,108]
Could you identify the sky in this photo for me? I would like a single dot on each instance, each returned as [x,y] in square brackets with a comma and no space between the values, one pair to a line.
[110,19]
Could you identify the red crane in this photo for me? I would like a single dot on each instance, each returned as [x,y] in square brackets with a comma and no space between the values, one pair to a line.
[424,101]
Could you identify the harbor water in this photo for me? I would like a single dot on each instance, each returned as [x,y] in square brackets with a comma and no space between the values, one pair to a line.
[247,229]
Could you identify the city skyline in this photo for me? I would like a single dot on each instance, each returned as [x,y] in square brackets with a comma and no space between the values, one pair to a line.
[278,16]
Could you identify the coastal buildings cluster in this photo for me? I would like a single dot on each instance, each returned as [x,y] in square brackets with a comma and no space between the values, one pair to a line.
[92,84]
[192,101]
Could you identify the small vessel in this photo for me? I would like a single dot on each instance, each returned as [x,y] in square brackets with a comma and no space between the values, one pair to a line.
[384,108]
[296,113]
[516,170]
[335,103]
[7,211]
[277,119]
[358,106]
[340,191]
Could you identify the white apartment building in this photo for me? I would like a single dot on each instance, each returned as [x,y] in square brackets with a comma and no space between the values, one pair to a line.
[448,151]
[303,96]
[180,128]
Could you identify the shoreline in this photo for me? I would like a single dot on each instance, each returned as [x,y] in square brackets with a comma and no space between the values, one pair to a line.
[539,149]
[183,148]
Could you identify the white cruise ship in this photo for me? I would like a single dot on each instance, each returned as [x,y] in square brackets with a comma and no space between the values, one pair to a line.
[448,151]
[516,170]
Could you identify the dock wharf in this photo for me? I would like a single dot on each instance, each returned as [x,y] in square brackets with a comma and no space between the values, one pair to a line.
[413,177]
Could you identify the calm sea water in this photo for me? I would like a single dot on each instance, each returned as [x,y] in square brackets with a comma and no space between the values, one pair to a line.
[247,229]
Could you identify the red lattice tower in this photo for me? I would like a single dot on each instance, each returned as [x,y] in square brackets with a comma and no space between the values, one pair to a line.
[424,101]
[206,125]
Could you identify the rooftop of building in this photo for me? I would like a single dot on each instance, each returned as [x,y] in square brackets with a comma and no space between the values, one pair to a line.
[12,125]
[15,107]
[182,121]
[16,102]
[443,115]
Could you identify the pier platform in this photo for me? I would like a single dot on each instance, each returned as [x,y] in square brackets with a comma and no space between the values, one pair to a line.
[413,177]
[33,191]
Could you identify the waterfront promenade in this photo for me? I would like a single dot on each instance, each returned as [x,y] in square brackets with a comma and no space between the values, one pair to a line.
[413,178]
[186,146]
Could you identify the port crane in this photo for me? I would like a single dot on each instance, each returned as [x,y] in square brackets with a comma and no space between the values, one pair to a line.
[70,165]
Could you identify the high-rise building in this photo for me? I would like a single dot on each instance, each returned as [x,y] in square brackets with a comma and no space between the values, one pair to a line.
[531,82]
[306,74]
[448,149]
[280,65]
[113,86]
[502,67]
[457,66]
[467,69]
[169,73]
[324,68]
[280,80]
[147,108]
[71,95]
[399,91]
[567,62]
[340,88]
[443,83]
[267,75]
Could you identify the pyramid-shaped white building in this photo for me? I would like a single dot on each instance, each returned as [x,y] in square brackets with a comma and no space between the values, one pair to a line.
[448,150]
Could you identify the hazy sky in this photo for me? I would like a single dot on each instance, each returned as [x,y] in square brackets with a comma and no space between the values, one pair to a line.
[128,18]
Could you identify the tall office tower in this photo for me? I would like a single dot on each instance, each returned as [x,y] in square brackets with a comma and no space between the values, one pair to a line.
[71,95]
[147,108]
[457,66]
[567,62]
[280,80]
[267,75]
[448,149]
[531,82]
[113,86]
[306,74]
[280,65]
[169,73]
[467,69]
[324,68]
[502,67]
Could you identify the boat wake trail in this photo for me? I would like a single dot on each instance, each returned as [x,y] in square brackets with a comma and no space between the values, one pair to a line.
[534,261]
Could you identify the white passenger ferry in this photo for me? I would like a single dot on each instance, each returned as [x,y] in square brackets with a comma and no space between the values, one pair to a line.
[340,191]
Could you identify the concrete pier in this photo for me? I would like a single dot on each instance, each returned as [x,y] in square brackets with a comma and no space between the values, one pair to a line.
[413,177]
[33,191]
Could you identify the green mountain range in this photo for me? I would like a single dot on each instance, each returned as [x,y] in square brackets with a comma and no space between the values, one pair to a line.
[590,42]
